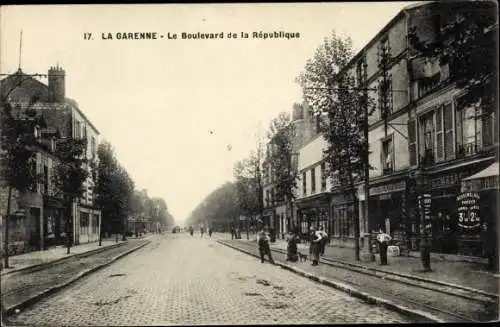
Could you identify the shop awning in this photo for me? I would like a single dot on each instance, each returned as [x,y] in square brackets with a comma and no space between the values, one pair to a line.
[486,179]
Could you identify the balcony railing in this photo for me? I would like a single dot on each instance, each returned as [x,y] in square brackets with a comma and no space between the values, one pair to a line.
[467,149]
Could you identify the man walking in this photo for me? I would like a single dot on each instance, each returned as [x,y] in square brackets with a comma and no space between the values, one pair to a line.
[202,230]
[210,232]
[263,244]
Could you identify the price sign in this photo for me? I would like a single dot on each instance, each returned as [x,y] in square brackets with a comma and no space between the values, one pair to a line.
[468,210]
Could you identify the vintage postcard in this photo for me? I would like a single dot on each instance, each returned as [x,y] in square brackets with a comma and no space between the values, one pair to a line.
[249,163]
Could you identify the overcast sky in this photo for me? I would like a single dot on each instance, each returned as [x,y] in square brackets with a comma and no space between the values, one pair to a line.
[157,101]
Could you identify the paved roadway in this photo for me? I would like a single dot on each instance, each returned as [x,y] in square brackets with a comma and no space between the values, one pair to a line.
[179,279]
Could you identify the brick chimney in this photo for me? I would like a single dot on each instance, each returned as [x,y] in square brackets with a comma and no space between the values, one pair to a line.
[56,84]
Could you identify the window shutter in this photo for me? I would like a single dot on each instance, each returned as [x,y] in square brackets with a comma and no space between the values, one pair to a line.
[412,142]
[439,135]
[449,152]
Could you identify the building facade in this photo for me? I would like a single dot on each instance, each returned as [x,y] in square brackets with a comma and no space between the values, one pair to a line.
[63,116]
[422,141]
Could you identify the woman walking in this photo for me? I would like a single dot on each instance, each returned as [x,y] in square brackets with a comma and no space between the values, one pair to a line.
[315,247]
[291,249]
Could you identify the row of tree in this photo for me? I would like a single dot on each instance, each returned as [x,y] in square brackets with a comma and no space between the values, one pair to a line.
[467,43]
[114,192]
[118,199]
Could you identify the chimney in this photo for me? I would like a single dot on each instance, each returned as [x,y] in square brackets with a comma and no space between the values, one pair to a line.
[56,84]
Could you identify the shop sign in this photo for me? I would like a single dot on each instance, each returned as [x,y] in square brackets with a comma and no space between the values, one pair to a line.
[388,188]
[445,180]
[468,210]
[424,204]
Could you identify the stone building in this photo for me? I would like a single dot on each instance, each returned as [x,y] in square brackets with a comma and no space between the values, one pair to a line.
[421,142]
[64,116]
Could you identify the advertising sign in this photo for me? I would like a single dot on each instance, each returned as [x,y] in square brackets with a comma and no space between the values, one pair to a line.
[424,204]
[468,210]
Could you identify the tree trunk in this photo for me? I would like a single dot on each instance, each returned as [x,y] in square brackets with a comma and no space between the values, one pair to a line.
[6,234]
[356,219]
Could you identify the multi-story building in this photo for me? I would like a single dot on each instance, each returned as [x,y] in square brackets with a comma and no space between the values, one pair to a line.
[418,135]
[63,116]
[276,214]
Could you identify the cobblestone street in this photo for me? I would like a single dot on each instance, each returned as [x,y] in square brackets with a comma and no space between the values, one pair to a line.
[179,279]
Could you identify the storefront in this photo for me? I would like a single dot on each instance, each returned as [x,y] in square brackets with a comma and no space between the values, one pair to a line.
[452,226]
[313,211]
[341,227]
[478,210]
[387,210]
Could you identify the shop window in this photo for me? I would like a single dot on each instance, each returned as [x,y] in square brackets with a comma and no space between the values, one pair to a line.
[313,180]
[387,155]
[84,219]
[468,129]
[490,131]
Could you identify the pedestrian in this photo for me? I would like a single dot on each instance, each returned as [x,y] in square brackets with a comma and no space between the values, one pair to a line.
[383,242]
[291,248]
[191,230]
[315,246]
[263,244]
[324,240]
[202,231]
[210,232]
[232,233]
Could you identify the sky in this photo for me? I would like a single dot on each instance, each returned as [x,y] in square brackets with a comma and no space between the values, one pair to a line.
[180,112]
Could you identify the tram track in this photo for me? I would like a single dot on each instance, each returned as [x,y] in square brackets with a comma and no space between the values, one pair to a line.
[448,303]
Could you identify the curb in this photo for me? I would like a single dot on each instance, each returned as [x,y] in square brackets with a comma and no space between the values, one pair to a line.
[59,260]
[419,315]
[409,276]
[26,303]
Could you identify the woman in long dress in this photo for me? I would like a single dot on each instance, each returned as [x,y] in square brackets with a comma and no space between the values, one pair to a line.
[315,247]
[291,249]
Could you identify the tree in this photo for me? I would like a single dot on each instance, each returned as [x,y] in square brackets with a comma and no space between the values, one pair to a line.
[342,109]
[280,159]
[466,41]
[17,137]
[115,191]
[247,188]
[70,173]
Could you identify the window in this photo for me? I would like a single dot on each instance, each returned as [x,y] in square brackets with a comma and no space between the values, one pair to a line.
[33,171]
[361,72]
[273,196]
[45,180]
[267,198]
[469,129]
[84,219]
[346,219]
[385,96]
[53,144]
[427,139]
[412,142]
[313,180]
[95,224]
[387,156]
[92,147]
[304,183]
[449,150]
[323,176]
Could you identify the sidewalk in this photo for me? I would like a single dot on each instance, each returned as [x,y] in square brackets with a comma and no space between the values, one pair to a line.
[37,258]
[467,274]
